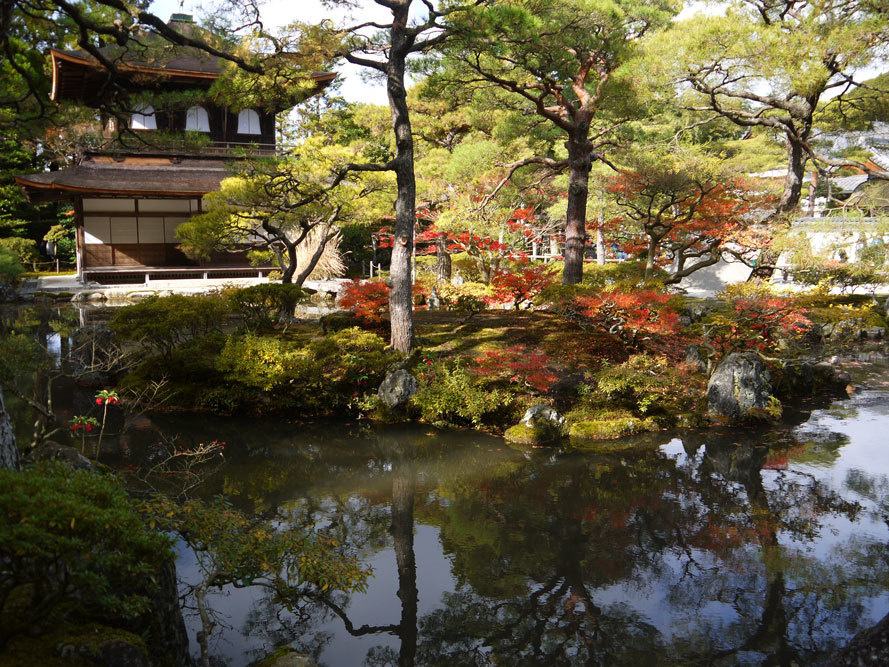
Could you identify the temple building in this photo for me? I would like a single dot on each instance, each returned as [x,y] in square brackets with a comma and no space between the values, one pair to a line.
[130,196]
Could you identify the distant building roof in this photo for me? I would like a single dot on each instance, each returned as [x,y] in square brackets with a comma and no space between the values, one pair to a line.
[848,183]
[152,176]
[880,159]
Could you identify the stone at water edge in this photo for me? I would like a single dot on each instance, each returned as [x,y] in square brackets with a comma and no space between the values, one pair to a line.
[397,389]
[543,415]
[53,451]
[740,389]
[539,425]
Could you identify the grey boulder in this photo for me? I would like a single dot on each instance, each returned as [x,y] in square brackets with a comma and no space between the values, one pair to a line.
[740,389]
[397,389]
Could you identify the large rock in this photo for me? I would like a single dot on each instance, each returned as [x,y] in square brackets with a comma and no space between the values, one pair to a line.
[844,332]
[693,357]
[805,377]
[740,389]
[543,415]
[53,451]
[397,389]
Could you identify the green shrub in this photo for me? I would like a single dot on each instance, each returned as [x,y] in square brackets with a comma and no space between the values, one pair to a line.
[644,385]
[351,356]
[449,393]
[265,304]
[325,374]
[267,364]
[624,275]
[10,267]
[74,542]
[24,249]
[189,373]
[163,323]
[63,236]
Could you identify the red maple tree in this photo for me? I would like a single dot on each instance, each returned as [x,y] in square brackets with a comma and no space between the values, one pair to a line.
[675,216]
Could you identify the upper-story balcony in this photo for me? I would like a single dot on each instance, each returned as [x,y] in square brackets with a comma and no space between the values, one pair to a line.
[157,79]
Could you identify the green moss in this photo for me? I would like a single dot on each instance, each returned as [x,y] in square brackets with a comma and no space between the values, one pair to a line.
[608,429]
[283,652]
[771,412]
[527,435]
[584,412]
[49,650]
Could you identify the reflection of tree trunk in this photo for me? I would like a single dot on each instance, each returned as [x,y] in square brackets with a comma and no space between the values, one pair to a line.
[743,464]
[9,451]
[574,546]
[403,487]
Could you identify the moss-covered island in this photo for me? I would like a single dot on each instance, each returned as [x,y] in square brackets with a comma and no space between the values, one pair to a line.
[613,361]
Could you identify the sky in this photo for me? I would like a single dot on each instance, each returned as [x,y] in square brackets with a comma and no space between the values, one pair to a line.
[277,13]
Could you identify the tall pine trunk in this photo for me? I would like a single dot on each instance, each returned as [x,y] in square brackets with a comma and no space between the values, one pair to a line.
[400,306]
[788,203]
[578,193]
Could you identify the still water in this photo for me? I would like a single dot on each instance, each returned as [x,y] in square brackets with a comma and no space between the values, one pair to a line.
[747,546]
[728,548]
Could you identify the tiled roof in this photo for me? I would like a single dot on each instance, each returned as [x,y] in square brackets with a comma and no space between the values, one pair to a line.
[880,159]
[848,183]
[131,176]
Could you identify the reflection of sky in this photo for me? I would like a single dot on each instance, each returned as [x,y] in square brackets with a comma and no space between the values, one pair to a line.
[869,431]
[54,346]
[865,430]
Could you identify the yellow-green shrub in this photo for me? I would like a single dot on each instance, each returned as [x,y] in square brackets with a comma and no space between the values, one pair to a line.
[450,394]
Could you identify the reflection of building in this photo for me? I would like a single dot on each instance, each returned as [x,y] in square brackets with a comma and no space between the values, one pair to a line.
[129,200]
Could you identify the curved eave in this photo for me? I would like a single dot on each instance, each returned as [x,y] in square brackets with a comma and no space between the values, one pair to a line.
[37,192]
[58,57]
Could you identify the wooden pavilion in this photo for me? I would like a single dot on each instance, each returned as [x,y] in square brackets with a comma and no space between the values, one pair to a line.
[129,201]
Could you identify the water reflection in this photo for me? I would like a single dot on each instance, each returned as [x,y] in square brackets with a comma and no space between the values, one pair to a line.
[743,547]
[704,549]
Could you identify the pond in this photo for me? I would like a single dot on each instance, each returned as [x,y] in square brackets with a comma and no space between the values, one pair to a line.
[745,546]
